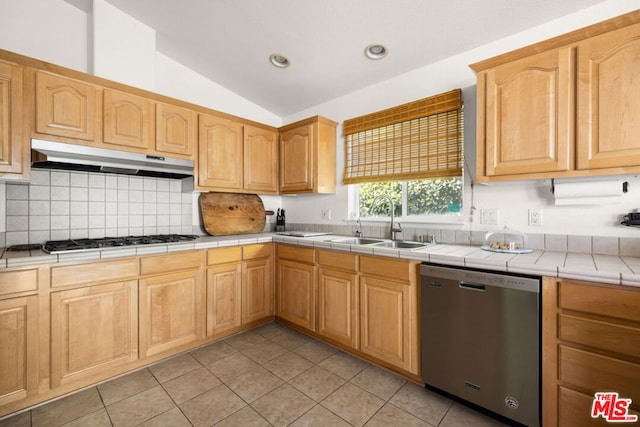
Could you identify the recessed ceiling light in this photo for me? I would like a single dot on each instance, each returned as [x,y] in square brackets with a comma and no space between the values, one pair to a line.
[375,51]
[279,61]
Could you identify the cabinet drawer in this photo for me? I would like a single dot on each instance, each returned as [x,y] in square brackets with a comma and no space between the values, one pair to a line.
[224,255]
[173,262]
[95,272]
[297,253]
[592,372]
[339,260]
[601,335]
[256,251]
[406,271]
[18,281]
[574,409]
[622,302]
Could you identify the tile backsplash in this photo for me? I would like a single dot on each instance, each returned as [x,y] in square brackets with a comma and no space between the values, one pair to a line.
[58,205]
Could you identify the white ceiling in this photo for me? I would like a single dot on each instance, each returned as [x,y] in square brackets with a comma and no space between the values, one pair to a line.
[229,41]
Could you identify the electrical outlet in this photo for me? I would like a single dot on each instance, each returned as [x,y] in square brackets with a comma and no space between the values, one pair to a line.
[489,216]
[325,214]
[535,217]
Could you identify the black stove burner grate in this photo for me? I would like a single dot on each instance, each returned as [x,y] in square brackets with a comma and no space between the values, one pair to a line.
[55,246]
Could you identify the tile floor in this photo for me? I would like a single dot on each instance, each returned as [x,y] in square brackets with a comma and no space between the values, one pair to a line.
[269,376]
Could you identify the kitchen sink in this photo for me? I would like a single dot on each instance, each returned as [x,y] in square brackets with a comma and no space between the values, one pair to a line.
[394,244]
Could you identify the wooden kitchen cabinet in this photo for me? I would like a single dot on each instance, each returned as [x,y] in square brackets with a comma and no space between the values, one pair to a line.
[591,343]
[308,156]
[93,329]
[127,121]
[224,287]
[260,160]
[220,146]
[338,297]
[170,301]
[257,283]
[14,145]
[297,286]
[176,130]
[66,107]
[389,311]
[562,107]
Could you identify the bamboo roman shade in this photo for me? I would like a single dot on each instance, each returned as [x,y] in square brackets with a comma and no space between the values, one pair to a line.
[418,140]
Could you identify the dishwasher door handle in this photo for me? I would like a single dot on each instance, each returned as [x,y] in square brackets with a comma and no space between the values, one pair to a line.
[471,286]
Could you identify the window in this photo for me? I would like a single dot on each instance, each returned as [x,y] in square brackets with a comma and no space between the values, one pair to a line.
[412,152]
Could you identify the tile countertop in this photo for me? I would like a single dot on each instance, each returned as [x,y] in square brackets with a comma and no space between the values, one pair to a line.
[582,266]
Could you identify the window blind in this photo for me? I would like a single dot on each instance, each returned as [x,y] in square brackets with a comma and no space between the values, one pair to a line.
[418,140]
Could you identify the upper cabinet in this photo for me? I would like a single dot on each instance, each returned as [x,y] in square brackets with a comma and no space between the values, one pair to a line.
[308,156]
[126,120]
[13,145]
[562,108]
[235,157]
[176,130]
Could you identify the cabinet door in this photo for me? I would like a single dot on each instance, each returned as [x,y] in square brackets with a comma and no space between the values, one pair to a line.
[529,115]
[11,104]
[219,154]
[126,120]
[92,329]
[170,311]
[385,321]
[608,100]
[296,294]
[297,159]
[176,130]
[65,107]
[338,306]
[223,298]
[260,160]
[19,354]
[257,290]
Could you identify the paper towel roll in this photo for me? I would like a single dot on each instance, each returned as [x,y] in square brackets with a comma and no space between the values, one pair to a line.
[590,192]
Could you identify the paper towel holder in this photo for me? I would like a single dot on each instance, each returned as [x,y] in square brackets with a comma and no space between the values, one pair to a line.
[625,186]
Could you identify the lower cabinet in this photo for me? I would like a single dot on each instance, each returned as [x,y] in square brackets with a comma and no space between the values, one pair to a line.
[93,329]
[297,286]
[591,343]
[257,283]
[170,303]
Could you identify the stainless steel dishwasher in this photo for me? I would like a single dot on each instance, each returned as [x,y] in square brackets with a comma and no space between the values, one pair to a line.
[481,339]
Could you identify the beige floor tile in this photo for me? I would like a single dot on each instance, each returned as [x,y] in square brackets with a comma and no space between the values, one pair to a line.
[461,416]
[191,384]
[317,383]
[288,365]
[283,405]
[140,407]
[230,367]
[174,367]
[213,352]
[100,418]
[315,351]
[67,409]
[20,420]
[264,352]
[290,339]
[422,403]
[389,415]
[353,404]
[320,416]
[271,329]
[173,418]
[245,340]
[245,417]
[344,365]
[212,406]
[126,386]
[379,381]
[254,384]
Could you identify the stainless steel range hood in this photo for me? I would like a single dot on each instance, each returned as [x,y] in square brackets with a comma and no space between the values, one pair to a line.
[57,155]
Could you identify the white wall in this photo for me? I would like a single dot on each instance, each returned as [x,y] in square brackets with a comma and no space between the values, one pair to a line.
[512,199]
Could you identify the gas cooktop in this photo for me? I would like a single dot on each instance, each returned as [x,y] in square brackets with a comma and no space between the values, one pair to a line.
[59,246]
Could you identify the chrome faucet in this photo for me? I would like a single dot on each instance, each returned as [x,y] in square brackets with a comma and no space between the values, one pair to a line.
[358,232]
[393,227]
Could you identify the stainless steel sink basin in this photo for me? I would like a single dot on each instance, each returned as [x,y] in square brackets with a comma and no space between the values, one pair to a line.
[357,241]
[402,244]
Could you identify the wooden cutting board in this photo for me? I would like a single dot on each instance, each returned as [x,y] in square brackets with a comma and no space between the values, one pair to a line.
[232,213]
